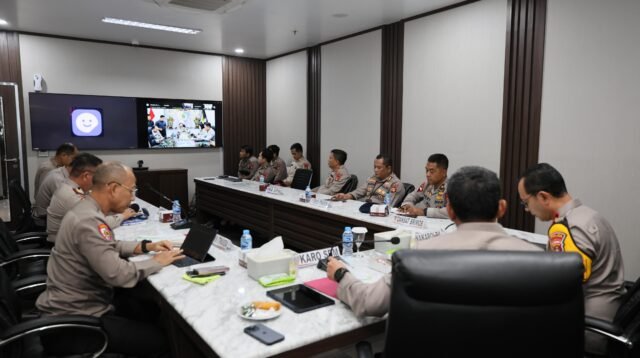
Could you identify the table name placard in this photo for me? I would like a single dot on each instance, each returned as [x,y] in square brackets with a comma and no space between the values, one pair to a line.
[222,243]
[426,235]
[409,221]
[311,258]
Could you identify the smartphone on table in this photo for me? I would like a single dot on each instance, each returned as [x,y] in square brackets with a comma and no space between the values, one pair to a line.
[264,334]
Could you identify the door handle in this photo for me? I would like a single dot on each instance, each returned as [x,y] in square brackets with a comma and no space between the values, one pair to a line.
[13,160]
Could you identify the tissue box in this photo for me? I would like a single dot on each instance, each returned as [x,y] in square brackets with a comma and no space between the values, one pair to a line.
[258,267]
[384,247]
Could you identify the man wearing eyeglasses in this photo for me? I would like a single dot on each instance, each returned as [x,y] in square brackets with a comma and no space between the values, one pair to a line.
[87,263]
[73,190]
[578,228]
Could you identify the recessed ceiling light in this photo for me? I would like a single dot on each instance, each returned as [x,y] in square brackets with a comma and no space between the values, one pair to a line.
[239,50]
[340,15]
[3,22]
[182,30]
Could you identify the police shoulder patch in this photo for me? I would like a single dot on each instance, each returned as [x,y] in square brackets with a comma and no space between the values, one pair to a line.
[105,232]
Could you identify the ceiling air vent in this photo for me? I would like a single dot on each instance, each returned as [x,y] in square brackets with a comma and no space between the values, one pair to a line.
[219,6]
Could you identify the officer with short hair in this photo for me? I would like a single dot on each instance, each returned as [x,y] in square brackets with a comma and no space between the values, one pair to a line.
[430,199]
[383,181]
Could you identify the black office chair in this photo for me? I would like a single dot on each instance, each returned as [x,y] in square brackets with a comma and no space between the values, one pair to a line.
[408,188]
[24,221]
[624,332]
[485,304]
[301,179]
[22,255]
[350,185]
[21,338]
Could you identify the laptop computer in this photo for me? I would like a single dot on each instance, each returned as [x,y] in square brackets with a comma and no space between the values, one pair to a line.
[196,245]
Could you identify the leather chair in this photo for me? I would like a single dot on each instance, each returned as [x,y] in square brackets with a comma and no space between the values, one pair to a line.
[408,189]
[20,337]
[350,185]
[485,304]
[301,179]
[23,255]
[24,221]
[624,332]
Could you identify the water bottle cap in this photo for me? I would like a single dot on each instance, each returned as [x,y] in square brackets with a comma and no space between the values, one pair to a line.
[347,228]
[245,232]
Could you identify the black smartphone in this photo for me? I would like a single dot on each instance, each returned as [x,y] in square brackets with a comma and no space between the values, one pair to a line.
[264,334]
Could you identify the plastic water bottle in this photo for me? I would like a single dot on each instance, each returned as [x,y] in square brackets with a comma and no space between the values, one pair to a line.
[387,199]
[261,179]
[176,211]
[307,195]
[246,241]
[347,242]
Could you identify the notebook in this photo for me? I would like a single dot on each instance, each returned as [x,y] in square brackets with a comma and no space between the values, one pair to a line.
[324,285]
[196,245]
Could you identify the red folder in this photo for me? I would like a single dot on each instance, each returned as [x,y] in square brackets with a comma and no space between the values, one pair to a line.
[324,285]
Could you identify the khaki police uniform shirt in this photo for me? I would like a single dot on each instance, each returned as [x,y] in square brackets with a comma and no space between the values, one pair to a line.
[44,169]
[595,237]
[301,163]
[372,299]
[375,189]
[267,171]
[87,262]
[63,200]
[430,198]
[49,186]
[248,165]
[280,169]
[335,182]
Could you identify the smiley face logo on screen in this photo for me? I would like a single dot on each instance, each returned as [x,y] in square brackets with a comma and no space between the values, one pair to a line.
[86,122]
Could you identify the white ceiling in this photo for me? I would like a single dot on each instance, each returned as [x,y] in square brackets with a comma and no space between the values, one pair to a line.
[264,28]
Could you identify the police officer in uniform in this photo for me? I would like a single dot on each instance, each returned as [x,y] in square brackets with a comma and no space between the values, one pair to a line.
[578,228]
[248,164]
[430,199]
[73,190]
[87,262]
[475,205]
[376,188]
[64,155]
[338,176]
[266,168]
[298,161]
[279,166]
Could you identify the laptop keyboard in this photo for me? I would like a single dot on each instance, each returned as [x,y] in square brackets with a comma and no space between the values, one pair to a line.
[186,261]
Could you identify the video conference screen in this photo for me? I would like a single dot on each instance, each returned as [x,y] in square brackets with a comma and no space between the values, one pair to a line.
[90,122]
[109,122]
[179,123]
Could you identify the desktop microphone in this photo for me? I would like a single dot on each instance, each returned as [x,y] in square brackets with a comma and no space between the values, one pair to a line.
[148,186]
[394,240]
[141,213]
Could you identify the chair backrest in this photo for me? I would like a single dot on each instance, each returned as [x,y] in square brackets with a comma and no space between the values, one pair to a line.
[301,178]
[628,319]
[408,188]
[24,221]
[485,303]
[350,185]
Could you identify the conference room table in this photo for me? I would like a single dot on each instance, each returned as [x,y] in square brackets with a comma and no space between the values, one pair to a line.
[305,226]
[204,321]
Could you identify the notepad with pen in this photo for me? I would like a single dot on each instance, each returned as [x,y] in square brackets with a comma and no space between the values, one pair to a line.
[325,286]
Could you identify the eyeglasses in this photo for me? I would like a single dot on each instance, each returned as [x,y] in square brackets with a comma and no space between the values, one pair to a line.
[133,190]
[525,202]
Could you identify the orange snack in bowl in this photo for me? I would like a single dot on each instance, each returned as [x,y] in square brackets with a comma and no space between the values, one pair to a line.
[266,305]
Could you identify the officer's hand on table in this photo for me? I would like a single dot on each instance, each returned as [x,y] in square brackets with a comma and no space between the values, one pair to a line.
[332,266]
[168,257]
[412,210]
[128,213]
[341,196]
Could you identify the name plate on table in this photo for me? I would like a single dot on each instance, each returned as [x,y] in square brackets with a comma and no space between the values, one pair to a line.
[222,243]
[420,236]
[409,221]
[311,258]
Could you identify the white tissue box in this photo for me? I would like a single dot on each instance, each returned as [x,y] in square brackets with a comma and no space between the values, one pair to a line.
[384,247]
[258,266]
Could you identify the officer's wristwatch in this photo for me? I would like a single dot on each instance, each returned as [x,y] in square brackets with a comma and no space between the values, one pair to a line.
[339,274]
[143,246]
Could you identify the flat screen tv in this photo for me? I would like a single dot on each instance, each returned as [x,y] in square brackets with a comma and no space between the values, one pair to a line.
[90,122]
[173,123]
